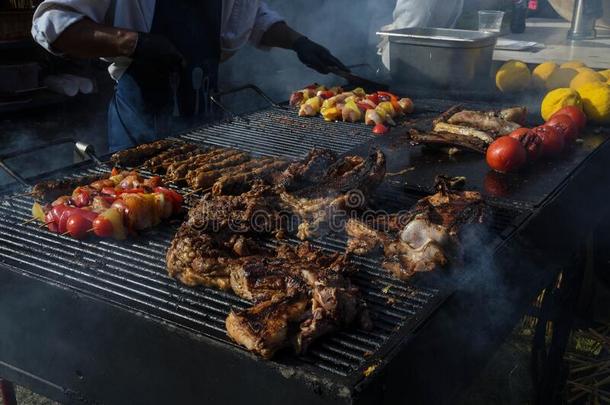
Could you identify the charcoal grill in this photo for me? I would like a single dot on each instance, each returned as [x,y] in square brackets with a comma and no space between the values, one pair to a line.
[100,321]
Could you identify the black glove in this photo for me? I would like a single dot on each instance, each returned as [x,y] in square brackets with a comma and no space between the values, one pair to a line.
[316,56]
[159,52]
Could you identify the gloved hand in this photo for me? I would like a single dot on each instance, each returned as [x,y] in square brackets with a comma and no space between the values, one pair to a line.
[159,52]
[316,56]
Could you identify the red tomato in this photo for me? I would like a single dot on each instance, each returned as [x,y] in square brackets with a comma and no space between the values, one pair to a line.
[109,191]
[81,197]
[78,225]
[530,141]
[552,141]
[506,154]
[51,221]
[380,129]
[373,97]
[575,113]
[326,94]
[565,126]
[364,106]
[103,227]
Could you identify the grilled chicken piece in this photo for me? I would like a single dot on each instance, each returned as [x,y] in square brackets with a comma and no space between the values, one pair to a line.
[430,236]
[264,279]
[264,328]
[196,258]
[484,121]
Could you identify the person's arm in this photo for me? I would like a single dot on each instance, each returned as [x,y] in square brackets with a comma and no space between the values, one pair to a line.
[280,35]
[310,53]
[88,39]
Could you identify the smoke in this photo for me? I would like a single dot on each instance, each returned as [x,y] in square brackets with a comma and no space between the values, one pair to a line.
[345,27]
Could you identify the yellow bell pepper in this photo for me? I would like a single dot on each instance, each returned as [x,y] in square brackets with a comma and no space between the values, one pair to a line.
[359,91]
[330,113]
[351,112]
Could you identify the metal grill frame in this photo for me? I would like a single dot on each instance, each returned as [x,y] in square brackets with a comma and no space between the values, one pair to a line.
[301,385]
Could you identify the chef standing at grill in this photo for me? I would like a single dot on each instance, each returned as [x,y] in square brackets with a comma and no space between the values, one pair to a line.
[162,50]
[419,14]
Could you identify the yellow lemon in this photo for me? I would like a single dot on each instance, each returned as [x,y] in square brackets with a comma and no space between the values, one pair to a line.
[541,74]
[605,73]
[557,99]
[513,76]
[573,64]
[584,78]
[560,78]
[596,101]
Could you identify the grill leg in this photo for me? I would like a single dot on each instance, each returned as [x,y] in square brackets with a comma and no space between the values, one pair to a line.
[558,307]
[8,392]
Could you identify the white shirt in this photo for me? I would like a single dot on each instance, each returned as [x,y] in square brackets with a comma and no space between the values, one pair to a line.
[242,21]
[421,13]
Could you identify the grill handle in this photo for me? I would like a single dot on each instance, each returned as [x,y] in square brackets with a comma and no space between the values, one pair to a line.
[87,150]
[82,148]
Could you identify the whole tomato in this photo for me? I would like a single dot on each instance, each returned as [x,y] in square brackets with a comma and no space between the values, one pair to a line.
[565,126]
[530,141]
[506,154]
[552,140]
[575,113]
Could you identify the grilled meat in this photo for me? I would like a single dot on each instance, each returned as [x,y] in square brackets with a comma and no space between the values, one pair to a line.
[201,180]
[471,130]
[472,143]
[309,171]
[238,183]
[156,164]
[133,157]
[430,236]
[344,187]
[230,157]
[197,258]
[231,160]
[50,190]
[264,328]
[485,121]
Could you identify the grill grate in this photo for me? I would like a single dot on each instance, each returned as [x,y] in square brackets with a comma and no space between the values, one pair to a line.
[279,132]
[132,274]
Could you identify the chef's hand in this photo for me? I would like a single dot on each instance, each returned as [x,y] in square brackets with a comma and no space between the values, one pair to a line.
[316,56]
[159,52]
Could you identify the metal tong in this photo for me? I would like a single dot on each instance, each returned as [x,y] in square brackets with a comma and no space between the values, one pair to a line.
[356,80]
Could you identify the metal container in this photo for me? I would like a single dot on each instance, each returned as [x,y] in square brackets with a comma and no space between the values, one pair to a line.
[440,57]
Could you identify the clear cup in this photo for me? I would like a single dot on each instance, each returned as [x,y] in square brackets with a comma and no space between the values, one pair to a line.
[490,20]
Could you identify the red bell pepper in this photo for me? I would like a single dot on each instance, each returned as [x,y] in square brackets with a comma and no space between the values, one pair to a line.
[364,106]
[393,99]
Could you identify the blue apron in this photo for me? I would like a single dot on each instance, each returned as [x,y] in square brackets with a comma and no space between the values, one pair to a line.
[145,104]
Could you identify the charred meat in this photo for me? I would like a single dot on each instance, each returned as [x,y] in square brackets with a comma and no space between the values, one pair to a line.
[424,239]
[471,130]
